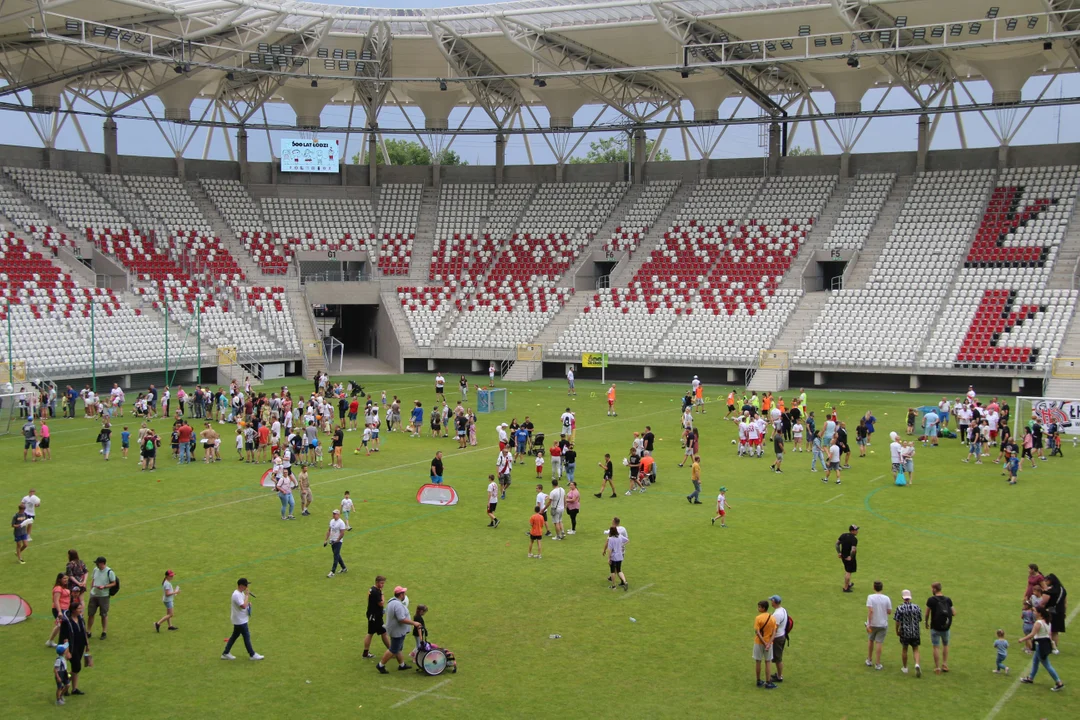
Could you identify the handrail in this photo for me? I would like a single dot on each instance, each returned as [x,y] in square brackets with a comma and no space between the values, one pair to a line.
[850,267]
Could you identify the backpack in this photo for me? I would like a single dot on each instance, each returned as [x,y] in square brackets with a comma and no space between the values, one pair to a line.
[116,587]
[788,627]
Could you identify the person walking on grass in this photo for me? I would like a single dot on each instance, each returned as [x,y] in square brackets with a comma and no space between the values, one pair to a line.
[1040,633]
[103,579]
[908,618]
[879,609]
[614,549]
[573,506]
[846,545]
[764,631]
[1001,646]
[694,498]
[436,474]
[778,449]
[834,462]
[240,613]
[609,476]
[536,533]
[375,627]
[335,535]
[939,617]
[32,503]
[60,673]
[556,502]
[721,507]
[397,625]
[493,501]
[168,597]
[61,602]
[74,635]
[780,618]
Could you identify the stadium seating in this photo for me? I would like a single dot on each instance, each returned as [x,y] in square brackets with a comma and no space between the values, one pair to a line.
[399,208]
[654,197]
[168,200]
[233,203]
[73,200]
[861,211]
[1000,313]
[885,323]
[25,217]
[319,224]
[129,204]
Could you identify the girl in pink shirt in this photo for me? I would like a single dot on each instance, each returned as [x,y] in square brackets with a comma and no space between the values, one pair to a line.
[573,504]
[43,445]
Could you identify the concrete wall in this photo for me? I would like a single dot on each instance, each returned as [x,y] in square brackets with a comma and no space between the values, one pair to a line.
[899,163]
[217,169]
[469,174]
[344,293]
[605,172]
[389,350]
[391,174]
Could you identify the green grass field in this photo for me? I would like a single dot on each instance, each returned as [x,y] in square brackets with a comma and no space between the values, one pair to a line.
[694,586]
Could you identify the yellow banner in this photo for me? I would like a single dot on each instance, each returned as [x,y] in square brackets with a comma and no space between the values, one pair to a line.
[16,370]
[594,360]
[226,355]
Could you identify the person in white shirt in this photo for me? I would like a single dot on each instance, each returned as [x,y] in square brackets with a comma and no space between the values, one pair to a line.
[567,420]
[541,502]
[240,613]
[753,435]
[491,375]
[992,421]
[335,535]
[878,613]
[440,386]
[504,439]
[971,393]
[688,419]
[571,390]
[834,462]
[493,501]
[797,436]
[346,510]
[779,637]
[617,524]
[31,501]
[556,501]
[944,407]
[504,466]
[744,435]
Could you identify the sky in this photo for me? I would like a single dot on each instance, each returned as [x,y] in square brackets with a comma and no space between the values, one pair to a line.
[143,137]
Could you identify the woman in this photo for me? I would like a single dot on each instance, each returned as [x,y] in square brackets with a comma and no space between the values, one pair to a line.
[1040,633]
[463,383]
[105,438]
[168,593]
[1034,580]
[573,504]
[336,445]
[860,437]
[1055,604]
[283,486]
[61,601]
[614,545]
[76,570]
[73,632]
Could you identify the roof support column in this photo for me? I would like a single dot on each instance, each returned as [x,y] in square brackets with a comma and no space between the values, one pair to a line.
[639,157]
[373,155]
[500,157]
[924,143]
[242,154]
[774,148]
[112,157]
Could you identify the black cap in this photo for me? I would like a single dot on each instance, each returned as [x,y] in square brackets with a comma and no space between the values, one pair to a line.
[242,581]
[100,559]
[853,528]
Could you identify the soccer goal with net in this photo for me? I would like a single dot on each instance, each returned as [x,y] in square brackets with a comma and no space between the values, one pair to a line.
[489,400]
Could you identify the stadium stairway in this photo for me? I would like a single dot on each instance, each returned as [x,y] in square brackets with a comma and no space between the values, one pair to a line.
[564,318]
[622,275]
[404,334]
[1066,388]
[222,230]
[819,234]
[310,341]
[879,235]
[800,322]
[424,244]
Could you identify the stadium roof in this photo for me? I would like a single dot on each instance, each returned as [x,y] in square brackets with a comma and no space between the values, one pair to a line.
[639,57]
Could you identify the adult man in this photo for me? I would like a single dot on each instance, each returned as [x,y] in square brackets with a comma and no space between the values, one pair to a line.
[437,468]
[504,465]
[833,461]
[29,432]
[908,618]
[375,626]
[569,458]
[21,531]
[939,615]
[764,630]
[103,579]
[32,502]
[930,427]
[846,545]
[183,436]
[896,453]
[440,386]
[240,613]
[335,535]
[492,501]
[556,503]
[694,498]
[566,420]
[780,618]
[504,438]
[648,439]
[571,390]
[397,625]
[730,403]
[878,611]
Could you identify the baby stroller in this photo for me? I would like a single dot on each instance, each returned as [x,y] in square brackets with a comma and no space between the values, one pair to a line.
[431,659]
[537,443]
[355,388]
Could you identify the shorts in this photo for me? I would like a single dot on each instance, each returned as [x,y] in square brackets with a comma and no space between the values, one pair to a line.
[98,603]
[520,445]
[932,431]
[731,408]
[44,444]
[20,537]
[939,637]
[461,433]
[438,390]
[544,515]
[861,442]
[571,384]
[1038,443]
[993,434]
[249,446]
[29,444]
[397,644]
[778,644]
[779,457]
[910,642]
[502,446]
[896,467]
[374,434]
[535,537]
[877,634]
[611,403]
[491,507]
[168,604]
[556,516]
[123,445]
[834,466]
[615,566]
[850,565]
[61,680]
[504,480]
[352,416]
[437,479]
[721,513]
[763,653]
[1012,465]
[375,626]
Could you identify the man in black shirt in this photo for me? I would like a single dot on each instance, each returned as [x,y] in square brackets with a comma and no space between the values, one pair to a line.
[635,470]
[845,550]
[778,448]
[437,468]
[845,449]
[569,461]
[375,616]
[648,439]
[609,476]
[528,425]
[939,615]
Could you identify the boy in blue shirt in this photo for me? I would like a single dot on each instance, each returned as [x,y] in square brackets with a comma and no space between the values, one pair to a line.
[125,441]
[417,419]
[521,436]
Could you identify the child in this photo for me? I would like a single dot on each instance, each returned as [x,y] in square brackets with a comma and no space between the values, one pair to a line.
[239,445]
[974,445]
[249,443]
[721,507]
[419,631]
[541,502]
[608,476]
[1027,616]
[436,422]
[305,491]
[536,530]
[366,437]
[540,462]
[168,593]
[346,509]
[60,672]
[1002,647]
[384,397]
[125,441]
[818,454]
[316,446]
[797,435]
[910,421]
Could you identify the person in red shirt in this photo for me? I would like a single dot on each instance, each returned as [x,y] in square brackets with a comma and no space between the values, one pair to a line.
[263,454]
[556,460]
[183,436]
[354,409]
[536,533]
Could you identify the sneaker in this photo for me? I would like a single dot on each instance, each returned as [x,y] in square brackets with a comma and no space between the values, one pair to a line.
[918,671]
[102,636]
[1006,669]
[571,532]
[903,670]
[868,663]
[496,522]
[530,555]
[51,644]
[256,656]
[879,667]
[698,502]
[157,627]
[628,492]
[172,627]
[770,686]
[77,692]
[641,491]
[825,480]
[367,656]
[382,669]
[626,587]
[59,701]
[227,656]
[1057,687]
[689,500]
[1027,681]
[538,557]
[837,481]
[491,524]
[761,683]
[330,575]
[1056,651]
[598,495]
[713,521]
[405,666]
[776,678]
[615,495]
